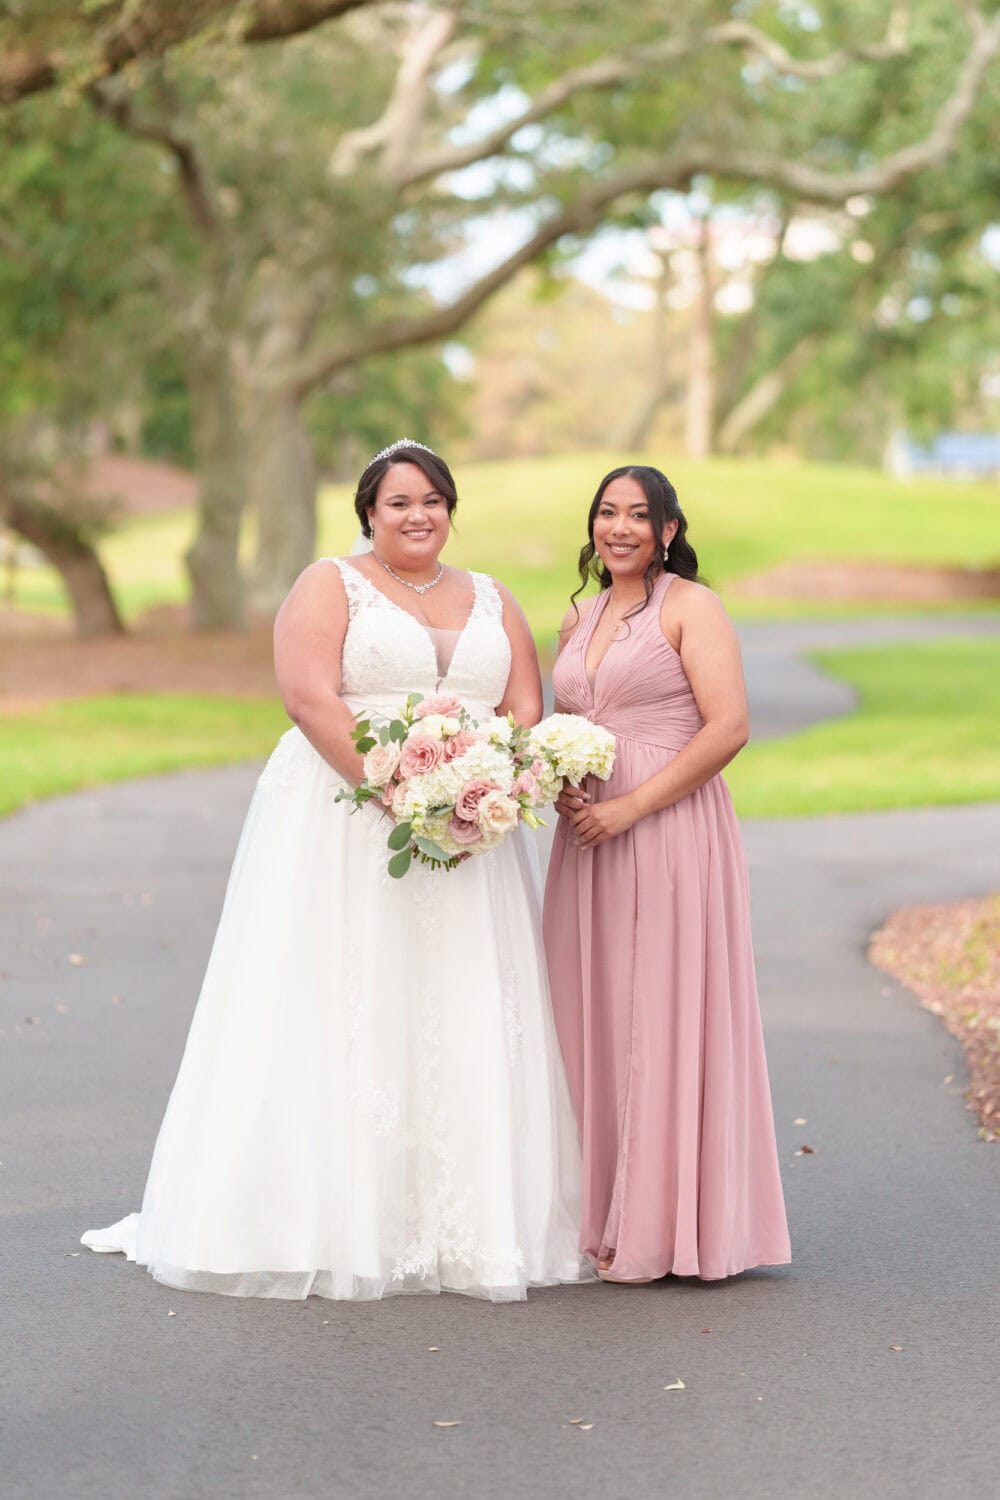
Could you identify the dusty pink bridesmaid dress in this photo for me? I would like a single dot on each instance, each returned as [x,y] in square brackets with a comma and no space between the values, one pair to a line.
[652,977]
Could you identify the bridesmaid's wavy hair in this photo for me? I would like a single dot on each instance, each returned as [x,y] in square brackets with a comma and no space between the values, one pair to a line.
[435,468]
[664,507]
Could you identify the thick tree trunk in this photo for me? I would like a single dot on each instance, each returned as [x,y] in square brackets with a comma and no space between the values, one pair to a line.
[634,434]
[220,449]
[698,417]
[74,558]
[282,491]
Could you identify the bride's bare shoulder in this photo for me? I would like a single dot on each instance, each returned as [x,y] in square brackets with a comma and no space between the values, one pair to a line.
[319,591]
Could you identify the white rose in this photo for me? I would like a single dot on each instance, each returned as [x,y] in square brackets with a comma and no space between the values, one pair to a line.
[498,813]
[439,726]
[380,763]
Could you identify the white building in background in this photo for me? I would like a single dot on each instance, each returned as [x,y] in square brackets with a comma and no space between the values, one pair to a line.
[950,455]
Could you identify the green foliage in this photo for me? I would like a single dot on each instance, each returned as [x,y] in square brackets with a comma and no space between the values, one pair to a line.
[924,734]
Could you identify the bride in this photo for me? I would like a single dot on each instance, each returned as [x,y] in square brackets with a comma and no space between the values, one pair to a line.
[371,1098]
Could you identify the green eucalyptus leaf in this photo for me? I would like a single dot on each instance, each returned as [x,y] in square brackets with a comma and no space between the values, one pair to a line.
[432,850]
[399,864]
[363,746]
[397,730]
[400,836]
[383,734]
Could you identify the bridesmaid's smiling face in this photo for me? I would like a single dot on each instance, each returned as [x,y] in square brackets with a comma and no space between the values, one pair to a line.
[623,533]
[409,519]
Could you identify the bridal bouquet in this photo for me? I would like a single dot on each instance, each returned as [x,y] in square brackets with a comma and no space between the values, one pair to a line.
[456,788]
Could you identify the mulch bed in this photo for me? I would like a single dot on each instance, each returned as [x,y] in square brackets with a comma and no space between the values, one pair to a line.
[950,957]
[880,582]
[159,655]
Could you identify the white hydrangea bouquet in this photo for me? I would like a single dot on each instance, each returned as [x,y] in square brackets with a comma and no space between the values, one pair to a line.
[456,788]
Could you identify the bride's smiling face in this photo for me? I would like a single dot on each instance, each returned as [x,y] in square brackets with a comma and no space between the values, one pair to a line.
[409,519]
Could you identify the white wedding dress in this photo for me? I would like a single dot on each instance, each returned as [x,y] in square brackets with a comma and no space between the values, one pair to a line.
[372,1098]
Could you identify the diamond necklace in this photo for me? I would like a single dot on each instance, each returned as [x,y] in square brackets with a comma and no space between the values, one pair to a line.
[418,588]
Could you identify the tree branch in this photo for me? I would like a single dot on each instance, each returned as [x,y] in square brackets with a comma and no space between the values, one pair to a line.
[23,73]
[608,72]
[152,29]
[892,44]
[393,134]
[672,172]
[119,106]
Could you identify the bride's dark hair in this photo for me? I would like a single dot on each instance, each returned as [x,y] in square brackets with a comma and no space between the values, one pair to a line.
[435,468]
[664,507]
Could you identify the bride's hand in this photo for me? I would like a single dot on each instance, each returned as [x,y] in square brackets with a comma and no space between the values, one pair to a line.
[603,821]
[570,800]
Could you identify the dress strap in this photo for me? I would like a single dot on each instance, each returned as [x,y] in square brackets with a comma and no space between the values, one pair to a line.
[488,602]
[356,586]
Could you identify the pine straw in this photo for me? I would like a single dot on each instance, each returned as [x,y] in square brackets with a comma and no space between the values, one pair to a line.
[950,957]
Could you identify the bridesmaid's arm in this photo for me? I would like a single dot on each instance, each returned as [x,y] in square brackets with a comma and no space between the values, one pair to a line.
[523,693]
[697,626]
[309,635]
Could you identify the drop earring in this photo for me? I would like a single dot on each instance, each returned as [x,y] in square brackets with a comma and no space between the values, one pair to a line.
[666,554]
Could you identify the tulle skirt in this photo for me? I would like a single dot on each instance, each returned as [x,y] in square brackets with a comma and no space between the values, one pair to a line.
[371,1099]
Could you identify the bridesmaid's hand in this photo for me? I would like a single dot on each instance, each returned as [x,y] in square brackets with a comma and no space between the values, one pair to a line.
[571,799]
[603,821]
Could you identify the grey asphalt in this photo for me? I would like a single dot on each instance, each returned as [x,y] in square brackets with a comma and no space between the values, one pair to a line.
[792,1387]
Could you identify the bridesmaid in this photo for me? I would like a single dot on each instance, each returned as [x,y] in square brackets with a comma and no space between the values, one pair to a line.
[647,920]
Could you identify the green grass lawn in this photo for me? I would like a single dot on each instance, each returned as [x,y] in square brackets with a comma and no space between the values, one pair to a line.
[924,733]
[523,520]
[82,742]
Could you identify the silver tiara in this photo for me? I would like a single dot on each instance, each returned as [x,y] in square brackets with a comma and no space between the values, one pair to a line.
[400,443]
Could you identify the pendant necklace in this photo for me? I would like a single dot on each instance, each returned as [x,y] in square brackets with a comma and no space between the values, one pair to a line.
[418,588]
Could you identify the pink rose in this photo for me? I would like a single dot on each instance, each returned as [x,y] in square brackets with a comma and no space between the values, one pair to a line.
[459,743]
[419,754]
[537,767]
[526,785]
[468,800]
[464,832]
[444,704]
[388,793]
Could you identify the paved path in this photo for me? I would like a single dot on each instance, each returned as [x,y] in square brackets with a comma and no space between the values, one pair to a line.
[787,692]
[795,1391]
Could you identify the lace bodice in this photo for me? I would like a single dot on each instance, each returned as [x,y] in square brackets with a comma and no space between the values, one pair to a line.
[388,654]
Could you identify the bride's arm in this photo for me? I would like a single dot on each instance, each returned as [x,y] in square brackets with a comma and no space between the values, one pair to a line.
[523,694]
[308,638]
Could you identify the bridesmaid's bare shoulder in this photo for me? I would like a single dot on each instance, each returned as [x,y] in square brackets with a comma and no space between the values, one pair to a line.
[574,618]
[688,605]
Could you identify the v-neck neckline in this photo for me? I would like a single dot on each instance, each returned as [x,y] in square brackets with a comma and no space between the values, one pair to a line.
[425,630]
[591,673]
